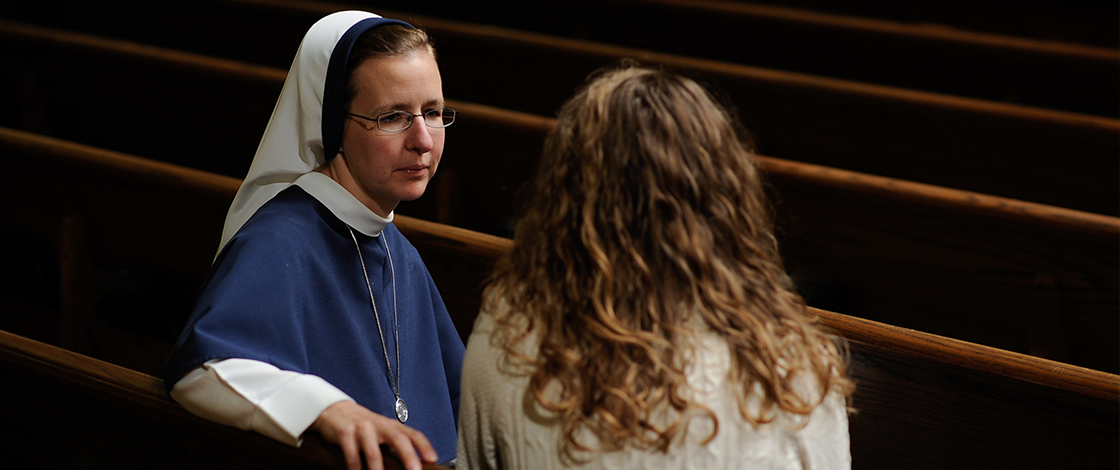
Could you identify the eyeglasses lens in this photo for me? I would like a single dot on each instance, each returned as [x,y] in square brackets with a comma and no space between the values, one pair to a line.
[395,121]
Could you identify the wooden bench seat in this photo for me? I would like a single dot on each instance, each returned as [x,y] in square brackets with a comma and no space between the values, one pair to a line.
[976,145]
[65,410]
[924,401]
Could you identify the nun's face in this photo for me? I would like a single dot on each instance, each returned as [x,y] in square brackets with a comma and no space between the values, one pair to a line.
[380,168]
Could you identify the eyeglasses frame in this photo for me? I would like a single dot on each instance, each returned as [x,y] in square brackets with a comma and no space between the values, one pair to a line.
[411,117]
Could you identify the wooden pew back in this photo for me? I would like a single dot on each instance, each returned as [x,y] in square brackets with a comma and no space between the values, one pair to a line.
[1089,22]
[913,55]
[925,401]
[149,231]
[853,252]
[976,145]
[209,113]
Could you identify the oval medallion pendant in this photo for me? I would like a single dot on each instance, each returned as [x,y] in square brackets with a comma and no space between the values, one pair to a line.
[402,410]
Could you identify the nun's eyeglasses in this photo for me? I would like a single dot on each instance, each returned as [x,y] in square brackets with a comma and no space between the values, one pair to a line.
[397,121]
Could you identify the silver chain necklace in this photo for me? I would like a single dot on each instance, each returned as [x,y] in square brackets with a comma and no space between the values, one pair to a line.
[394,379]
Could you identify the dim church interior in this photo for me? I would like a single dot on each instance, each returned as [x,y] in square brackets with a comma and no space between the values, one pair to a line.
[945,177]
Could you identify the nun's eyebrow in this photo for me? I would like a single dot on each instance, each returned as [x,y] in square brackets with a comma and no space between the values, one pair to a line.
[403,106]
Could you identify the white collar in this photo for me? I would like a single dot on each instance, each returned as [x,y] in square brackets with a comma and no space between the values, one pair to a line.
[343,204]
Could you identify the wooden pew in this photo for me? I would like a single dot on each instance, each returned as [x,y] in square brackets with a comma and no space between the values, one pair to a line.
[1086,22]
[929,57]
[65,410]
[208,113]
[986,147]
[951,404]
[924,401]
[944,254]
[1009,274]
[1041,73]
[991,148]
[1091,22]
[1051,273]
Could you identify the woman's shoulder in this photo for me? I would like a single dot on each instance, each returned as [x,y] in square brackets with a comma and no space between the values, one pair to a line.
[289,211]
[493,330]
[480,343]
[291,223]
[400,243]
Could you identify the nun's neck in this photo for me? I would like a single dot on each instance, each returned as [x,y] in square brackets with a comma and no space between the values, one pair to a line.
[338,169]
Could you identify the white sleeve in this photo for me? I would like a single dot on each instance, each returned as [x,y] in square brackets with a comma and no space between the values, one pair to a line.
[258,396]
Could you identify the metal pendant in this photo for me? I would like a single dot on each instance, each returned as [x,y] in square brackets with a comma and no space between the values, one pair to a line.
[402,410]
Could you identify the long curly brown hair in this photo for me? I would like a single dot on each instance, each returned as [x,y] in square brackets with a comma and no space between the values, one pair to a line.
[648,218]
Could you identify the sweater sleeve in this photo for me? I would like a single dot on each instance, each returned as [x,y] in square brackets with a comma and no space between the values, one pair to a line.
[825,442]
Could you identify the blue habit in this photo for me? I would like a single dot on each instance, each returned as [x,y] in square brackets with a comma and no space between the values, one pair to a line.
[288,290]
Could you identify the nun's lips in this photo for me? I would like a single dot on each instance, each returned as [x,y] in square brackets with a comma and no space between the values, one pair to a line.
[414,170]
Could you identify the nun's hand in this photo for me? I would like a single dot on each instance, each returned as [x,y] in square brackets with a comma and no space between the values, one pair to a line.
[357,429]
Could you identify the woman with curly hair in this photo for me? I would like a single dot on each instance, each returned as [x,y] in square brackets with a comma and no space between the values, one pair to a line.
[644,318]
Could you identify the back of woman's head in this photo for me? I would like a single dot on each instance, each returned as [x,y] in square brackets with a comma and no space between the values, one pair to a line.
[647,223]
[655,171]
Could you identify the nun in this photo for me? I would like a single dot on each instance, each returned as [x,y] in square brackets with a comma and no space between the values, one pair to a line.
[318,315]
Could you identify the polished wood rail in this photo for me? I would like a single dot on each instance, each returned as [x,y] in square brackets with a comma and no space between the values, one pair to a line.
[993,408]
[66,410]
